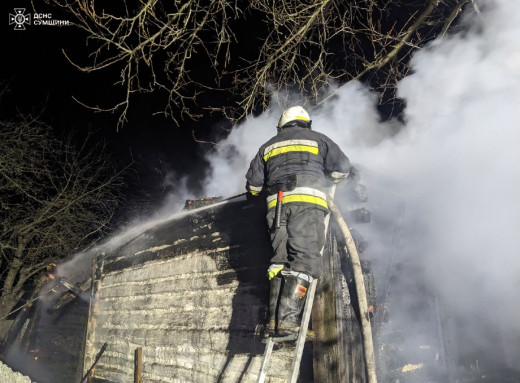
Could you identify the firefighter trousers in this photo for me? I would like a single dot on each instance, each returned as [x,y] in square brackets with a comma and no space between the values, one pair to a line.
[298,242]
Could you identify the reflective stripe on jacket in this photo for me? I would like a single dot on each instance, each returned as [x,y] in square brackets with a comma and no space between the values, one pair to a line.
[298,152]
[288,146]
[301,195]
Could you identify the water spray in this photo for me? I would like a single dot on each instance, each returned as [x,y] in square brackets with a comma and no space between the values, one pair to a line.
[111,244]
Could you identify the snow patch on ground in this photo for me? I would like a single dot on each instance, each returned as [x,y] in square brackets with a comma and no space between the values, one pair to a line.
[8,375]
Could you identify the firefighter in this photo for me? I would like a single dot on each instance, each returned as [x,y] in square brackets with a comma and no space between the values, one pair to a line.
[294,169]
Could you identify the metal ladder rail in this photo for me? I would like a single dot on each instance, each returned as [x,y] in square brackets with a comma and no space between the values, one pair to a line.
[300,341]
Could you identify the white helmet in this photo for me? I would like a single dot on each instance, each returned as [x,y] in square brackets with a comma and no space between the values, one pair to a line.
[295,113]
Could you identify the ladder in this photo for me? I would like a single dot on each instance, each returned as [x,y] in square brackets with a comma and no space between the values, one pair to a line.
[300,341]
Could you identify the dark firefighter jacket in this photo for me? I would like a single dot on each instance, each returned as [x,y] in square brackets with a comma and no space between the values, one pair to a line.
[298,161]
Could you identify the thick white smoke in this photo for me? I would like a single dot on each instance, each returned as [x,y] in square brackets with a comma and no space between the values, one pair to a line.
[462,136]
[460,157]
[455,163]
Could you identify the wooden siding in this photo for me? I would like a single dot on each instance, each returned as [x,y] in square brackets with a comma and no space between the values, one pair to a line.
[193,294]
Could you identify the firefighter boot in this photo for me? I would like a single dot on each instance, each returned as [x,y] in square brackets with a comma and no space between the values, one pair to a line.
[291,303]
[275,284]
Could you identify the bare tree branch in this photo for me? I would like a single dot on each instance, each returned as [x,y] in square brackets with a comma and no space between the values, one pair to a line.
[250,50]
[55,198]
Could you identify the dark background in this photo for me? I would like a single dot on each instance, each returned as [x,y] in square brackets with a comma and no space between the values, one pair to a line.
[37,80]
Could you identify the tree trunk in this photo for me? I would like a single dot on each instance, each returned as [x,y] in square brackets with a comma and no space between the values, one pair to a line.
[11,291]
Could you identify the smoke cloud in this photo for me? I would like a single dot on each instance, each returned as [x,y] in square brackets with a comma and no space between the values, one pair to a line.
[459,158]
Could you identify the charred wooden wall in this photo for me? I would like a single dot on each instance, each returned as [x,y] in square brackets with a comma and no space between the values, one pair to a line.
[192,294]
[47,346]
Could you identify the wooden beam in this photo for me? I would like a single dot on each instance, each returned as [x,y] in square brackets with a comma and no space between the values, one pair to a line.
[329,352]
[138,365]
[328,357]
[366,328]
[89,374]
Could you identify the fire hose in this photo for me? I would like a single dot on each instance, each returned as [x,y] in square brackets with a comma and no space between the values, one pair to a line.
[366,329]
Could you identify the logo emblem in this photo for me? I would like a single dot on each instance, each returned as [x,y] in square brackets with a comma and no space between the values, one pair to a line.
[300,291]
[19,19]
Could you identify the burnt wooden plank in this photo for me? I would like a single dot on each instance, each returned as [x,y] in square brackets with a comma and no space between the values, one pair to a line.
[138,360]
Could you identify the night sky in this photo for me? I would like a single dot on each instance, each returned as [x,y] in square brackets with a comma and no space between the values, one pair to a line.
[40,81]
